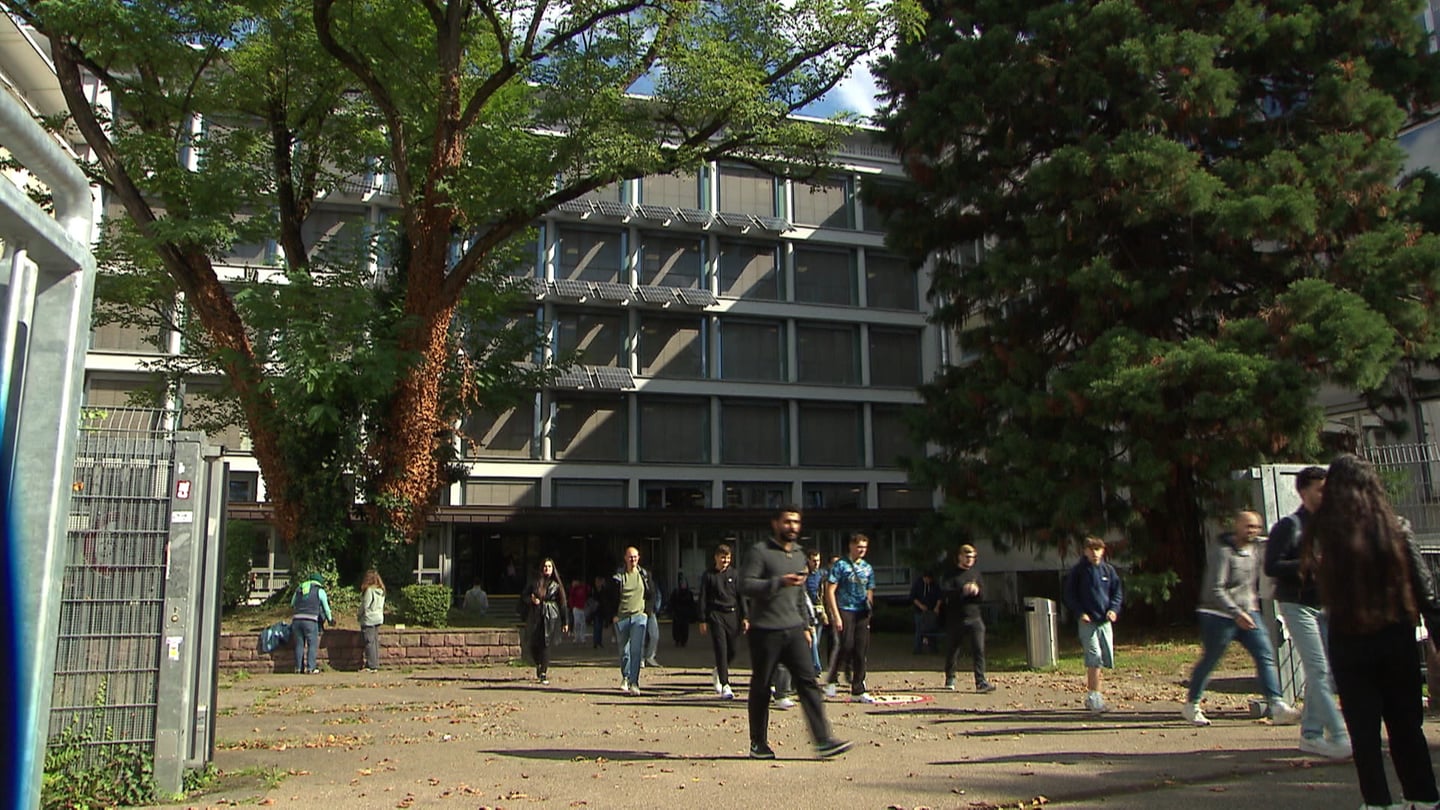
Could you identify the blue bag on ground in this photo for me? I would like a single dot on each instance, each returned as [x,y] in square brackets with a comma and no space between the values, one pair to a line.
[273,637]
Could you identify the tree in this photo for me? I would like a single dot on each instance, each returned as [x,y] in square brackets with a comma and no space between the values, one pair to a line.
[234,118]
[1157,229]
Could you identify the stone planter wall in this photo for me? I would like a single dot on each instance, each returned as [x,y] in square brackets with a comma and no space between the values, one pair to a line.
[344,649]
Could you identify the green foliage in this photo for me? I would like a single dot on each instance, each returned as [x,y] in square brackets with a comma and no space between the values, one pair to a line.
[1151,588]
[349,349]
[1156,234]
[84,769]
[427,605]
[241,541]
[344,600]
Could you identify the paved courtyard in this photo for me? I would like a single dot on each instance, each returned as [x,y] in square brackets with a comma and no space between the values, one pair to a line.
[489,736]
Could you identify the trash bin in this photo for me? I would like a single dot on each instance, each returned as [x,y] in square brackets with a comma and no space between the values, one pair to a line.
[1040,633]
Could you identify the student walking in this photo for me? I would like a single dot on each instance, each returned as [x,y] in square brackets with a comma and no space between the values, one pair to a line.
[548,617]
[722,617]
[1229,610]
[962,591]
[1375,587]
[773,579]
[850,601]
[1297,600]
[1093,593]
[371,616]
[633,593]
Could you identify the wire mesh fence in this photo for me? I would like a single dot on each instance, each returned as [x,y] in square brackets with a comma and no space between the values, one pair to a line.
[109,637]
[1411,472]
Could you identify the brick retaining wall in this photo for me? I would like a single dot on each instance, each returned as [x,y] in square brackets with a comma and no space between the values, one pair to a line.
[344,649]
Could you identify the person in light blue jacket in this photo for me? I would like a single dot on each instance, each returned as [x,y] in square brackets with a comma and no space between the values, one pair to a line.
[309,607]
[372,615]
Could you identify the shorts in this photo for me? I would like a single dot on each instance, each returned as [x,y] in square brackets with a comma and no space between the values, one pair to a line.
[1098,642]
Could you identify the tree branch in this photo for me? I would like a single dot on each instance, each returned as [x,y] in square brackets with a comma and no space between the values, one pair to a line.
[399,148]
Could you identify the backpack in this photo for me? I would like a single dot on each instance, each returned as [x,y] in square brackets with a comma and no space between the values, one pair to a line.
[273,637]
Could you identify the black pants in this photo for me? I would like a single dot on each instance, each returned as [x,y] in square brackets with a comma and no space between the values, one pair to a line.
[969,633]
[680,632]
[724,641]
[768,649]
[539,650]
[852,649]
[1377,676]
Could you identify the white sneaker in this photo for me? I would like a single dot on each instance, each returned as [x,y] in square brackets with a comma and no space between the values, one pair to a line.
[634,688]
[1283,714]
[1191,712]
[726,693]
[785,703]
[1325,748]
[830,690]
[1095,703]
[624,685]
[715,681]
[864,697]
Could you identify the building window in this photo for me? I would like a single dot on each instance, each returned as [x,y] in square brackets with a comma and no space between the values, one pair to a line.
[890,283]
[891,436]
[827,353]
[591,256]
[595,338]
[825,276]
[833,496]
[204,407]
[895,357]
[511,492]
[670,262]
[752,350]
[675,494]
[744,190]
[674,190]
[581,493]
[750,270]
[615,192]
[829,435]
[337,236]
[756,494]
[242,487]
[825,204]
[903,496]
[874,220]
[753,432]
[672,347]
[675,430]
[129,338]
[590,429]
[506,434]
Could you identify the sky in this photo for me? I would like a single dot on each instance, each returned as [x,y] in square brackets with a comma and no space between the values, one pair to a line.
[856,94]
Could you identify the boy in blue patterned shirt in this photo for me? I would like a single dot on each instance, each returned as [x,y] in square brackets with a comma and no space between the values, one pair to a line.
[850,599]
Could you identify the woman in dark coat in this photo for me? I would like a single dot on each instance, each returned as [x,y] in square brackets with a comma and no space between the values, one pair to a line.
[547,619]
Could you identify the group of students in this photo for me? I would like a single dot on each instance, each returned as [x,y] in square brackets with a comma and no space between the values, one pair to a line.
[1351,588]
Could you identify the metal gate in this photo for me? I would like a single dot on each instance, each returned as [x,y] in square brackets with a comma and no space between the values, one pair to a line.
[140,596]
[107,655]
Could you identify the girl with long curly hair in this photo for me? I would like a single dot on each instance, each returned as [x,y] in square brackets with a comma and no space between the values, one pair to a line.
[547,618]
[371,616]
[1374,586]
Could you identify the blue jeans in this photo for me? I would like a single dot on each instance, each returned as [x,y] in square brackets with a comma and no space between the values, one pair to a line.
[925,627]
[1308,629]
[815,631]
[630,633]
[1216,633]
[307,643]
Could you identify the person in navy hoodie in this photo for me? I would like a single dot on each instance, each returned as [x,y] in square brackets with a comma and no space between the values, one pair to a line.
[1094,593]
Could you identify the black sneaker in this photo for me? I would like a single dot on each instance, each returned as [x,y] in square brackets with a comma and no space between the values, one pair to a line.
[832,747]
[985,688]
[761,751]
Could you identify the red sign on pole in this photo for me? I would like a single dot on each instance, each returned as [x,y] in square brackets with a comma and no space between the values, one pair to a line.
[182,490]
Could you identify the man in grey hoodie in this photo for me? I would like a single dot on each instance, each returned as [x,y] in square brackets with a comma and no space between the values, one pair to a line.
[773,579]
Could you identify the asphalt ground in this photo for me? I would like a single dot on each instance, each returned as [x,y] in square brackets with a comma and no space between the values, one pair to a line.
[492,737]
